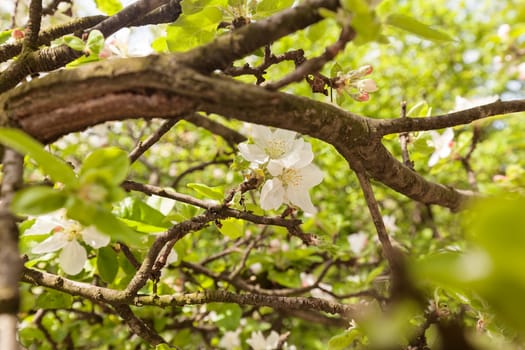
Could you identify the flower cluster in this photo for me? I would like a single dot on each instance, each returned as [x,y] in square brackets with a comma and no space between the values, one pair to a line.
[65,234]
[287,160]
[354,85]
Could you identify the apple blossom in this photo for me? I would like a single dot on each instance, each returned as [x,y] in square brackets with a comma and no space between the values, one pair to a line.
[230,340]
[357,241]
[442,144]
[290,185]
[65,236]
[390,223]
[279,144]
[257,341]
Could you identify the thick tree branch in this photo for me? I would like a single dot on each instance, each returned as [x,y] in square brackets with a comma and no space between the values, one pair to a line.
[49,59]
[114,297]
[467,116]
[10,262]
[221,53]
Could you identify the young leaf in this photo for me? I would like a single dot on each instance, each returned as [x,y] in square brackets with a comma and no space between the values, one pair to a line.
[107,264]
[109,7]
[108,223]
[209,192]
[111,163]
[52,299]
[74,42]
[415,27]
[267,8]
[232,228]
[38,200]
[95,42]
[56,168]
[343,340]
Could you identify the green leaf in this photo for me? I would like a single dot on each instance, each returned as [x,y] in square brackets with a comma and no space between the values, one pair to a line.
[52,299]
[56,168]
[107,264]
[38,200]
[420,109]
[95,42]
[267,8]
[228,315]
[414,26]
[289,278]
[109,7]
[135,209]
[358,7]
[232,228]
[74,42]
[105,221]
[5,35]
[110,163]
[216,193]
[344,340]
[108,223]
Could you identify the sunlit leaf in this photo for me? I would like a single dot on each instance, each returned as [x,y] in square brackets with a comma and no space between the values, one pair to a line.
[38,200]
[416,27]
[56,168]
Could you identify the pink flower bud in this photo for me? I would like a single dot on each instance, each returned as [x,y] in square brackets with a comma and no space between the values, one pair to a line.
[367,85]
[362,97]
[17,34]
[366,69]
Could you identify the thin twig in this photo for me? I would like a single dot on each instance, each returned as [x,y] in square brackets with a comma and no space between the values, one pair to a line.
[315,64]
[373,207]
[138,326]
[404,138]
[142,147]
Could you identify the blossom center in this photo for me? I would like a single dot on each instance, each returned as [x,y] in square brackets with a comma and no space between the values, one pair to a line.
[291,177]
[275,149]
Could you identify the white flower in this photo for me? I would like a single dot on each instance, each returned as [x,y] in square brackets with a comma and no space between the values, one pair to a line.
[279,145]
[357,241]
[230,340]
[367,85]
[258,342]
[65,236]
[308,279]
[390,223]
[521,71]
[290,185]
[442,144]
[256,268]
[503,32]
[466,103]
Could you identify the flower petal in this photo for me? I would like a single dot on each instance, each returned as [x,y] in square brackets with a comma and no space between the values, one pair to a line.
[273,340]
[252,153]
[44,224]
[275,168]
[299,156]
[272,194]
[55,242]
[72,258]
[311,176]
[95,238]
[433,159]
[301,198]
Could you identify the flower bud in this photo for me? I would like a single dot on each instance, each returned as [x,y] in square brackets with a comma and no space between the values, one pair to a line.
[367,85]
[365,70]
[17,34]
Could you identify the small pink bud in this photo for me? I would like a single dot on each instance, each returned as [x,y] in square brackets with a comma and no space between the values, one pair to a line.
[366,69]
[17,34]
[364,96]
[499,178]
